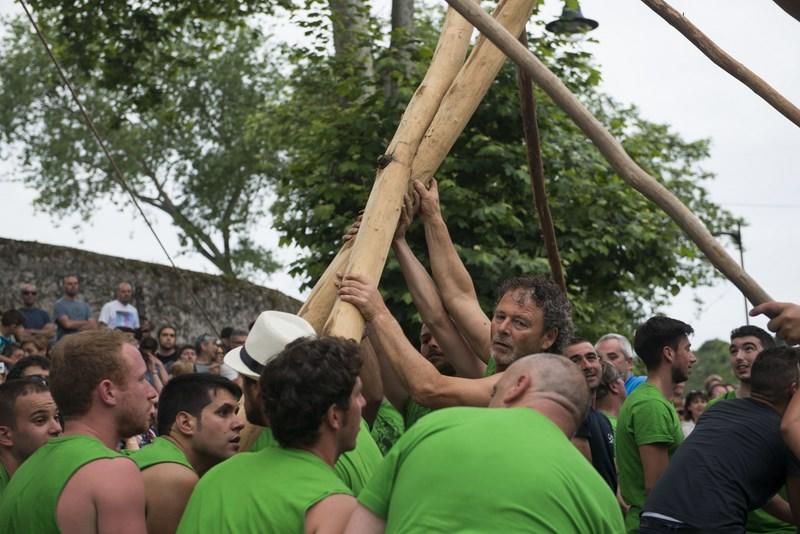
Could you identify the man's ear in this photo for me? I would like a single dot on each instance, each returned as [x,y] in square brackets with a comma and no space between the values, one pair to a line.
[334,417]
[668,353]
[6,436]
[548,338]
[185,423]
[517,390]
[107,392]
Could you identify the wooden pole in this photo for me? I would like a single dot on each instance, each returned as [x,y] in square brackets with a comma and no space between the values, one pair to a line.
[467,91]
[725,60]
[613,151]
[530,128]
[447,119]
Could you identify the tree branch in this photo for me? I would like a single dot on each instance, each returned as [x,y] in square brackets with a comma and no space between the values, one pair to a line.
[725,60]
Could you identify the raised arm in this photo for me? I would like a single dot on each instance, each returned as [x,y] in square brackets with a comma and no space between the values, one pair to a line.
[417,375]
[371,381]
[784,319]
[451,277]
[428,302]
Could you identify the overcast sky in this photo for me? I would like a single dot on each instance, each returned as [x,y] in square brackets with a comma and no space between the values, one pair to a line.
[644,62]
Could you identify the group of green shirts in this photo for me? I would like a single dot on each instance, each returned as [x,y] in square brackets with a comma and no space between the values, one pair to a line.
[458,469]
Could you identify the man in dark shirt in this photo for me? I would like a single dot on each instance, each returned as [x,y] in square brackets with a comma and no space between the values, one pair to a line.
[734,461]
[37,321]
[595,437]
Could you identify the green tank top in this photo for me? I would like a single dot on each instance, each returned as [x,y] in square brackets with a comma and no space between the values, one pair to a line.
[491,367]
[266,491]
[354,467]
[161,451]
[388,426]
[29,502]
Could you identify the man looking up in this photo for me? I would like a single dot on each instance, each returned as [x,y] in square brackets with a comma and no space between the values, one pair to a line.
[78,482]
[198,428]
[617,350]
[539,483]
[532,315]
[28,418]
[746,343]
[311,394]
[271,333]
[119,312]
[595,437]
[649,429]
[71,314]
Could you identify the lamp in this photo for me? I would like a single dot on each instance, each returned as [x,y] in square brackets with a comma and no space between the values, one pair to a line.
[571,20]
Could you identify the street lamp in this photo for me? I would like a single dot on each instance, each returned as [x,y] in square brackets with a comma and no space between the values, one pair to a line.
[737,239]
[571,20]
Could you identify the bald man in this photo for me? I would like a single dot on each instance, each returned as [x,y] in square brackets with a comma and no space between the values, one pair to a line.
[120,312]
[493,470]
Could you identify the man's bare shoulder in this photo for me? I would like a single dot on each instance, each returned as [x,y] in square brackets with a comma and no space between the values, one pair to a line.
[169,474]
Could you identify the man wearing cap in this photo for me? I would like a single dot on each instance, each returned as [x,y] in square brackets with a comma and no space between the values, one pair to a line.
[271,332]
[312,398]
[198,428]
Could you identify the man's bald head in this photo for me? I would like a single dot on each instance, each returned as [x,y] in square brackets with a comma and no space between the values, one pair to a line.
[547,378]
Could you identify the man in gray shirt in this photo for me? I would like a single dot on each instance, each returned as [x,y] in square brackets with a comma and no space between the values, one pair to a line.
[72,315]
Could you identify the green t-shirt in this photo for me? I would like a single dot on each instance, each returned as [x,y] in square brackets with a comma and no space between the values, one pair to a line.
[759,521]
[515,472]
[4,478]
[646,418]
[354,467]
[29,502]
[414,412]
[161,451]
[612,419]
[388,426]
[266,491]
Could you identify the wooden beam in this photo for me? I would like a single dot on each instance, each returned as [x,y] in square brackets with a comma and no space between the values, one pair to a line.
[613,151]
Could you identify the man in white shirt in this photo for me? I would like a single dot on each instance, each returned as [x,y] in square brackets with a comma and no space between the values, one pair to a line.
[120,312]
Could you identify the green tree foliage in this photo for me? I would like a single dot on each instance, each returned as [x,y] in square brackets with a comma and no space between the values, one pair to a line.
[188,154]
[622,255]
[127,46]
[713,358]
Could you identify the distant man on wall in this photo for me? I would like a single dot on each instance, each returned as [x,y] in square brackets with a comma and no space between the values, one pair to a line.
[37,321]
[120,312]
[72,315]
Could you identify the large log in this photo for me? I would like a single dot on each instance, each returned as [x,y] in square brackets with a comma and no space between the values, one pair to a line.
[452,114]
[378,224]
[724,60]
[613,151]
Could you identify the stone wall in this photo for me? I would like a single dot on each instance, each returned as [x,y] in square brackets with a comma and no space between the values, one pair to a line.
[161,294]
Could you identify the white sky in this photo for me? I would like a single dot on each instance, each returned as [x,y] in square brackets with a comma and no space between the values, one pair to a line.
[644,62]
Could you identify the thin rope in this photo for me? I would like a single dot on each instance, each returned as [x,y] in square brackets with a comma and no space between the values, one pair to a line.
[117,173]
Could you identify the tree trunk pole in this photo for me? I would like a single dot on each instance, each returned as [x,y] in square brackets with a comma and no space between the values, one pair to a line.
[536,167]
[371,245]
[613,151]
[467,91]
[725,60]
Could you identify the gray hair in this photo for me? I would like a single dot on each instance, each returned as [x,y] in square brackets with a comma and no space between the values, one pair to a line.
[624,344]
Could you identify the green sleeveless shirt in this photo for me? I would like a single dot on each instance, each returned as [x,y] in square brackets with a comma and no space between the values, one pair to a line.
[161,451]
[354,467]
[266,491]
[30,500]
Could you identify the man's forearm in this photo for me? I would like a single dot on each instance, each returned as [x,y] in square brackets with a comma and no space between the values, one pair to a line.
[449,272]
